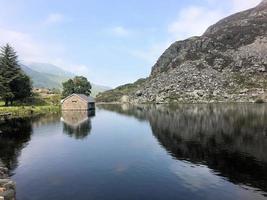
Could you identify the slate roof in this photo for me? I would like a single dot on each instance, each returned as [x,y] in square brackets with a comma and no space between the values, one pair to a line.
[88,99]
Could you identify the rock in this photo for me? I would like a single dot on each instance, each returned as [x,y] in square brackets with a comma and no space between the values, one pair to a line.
[7,187]
[125,99]
[199,93]
[3,172]
[9,195]
[160,99]
[243,91]
[138,93]
[10,185]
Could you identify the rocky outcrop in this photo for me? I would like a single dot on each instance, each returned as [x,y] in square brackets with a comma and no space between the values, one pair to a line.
[7,186]
[228,63]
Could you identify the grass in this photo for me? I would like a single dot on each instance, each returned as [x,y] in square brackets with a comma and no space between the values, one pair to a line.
[26,111]
[116,94]
[2,103]
[34,106]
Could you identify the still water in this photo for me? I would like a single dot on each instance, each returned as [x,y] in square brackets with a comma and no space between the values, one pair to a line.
[140,152]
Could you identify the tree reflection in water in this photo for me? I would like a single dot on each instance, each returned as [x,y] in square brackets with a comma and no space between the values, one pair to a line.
[14,136]
[231,139]
[77,124]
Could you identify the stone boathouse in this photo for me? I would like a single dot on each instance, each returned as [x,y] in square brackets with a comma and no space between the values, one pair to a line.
[78,102]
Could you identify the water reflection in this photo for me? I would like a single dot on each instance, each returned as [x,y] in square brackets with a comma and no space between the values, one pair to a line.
[45,120]
[14,136]
[77,124]
[230,139]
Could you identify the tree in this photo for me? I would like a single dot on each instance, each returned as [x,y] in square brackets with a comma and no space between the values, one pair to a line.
[78,85]
[10,68]
[21,87]
[14,84]
[68,88]
[2,87]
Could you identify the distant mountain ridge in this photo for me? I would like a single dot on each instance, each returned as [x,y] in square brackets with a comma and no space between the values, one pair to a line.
[46,75]
[50,69]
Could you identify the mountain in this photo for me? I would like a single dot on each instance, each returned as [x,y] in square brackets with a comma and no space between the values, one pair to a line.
[96,89]
[46,75]
[228,63]
[50,69]
[44,80]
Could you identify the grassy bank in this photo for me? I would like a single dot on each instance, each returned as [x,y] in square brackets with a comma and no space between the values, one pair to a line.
[39,104]
[27,111]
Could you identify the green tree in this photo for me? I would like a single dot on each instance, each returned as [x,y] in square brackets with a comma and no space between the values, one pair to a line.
[78,85]
[68,88]
[21,87]
[9,66]
[14,84]
[2,86]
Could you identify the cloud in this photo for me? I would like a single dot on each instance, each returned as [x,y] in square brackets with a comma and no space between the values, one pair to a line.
[54,18]
[193,21]
[27,48]
[78,69]
[235,5]
[120,31]
[239,5]
[31,50]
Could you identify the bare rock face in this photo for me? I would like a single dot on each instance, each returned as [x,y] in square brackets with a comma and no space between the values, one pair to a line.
[228,59]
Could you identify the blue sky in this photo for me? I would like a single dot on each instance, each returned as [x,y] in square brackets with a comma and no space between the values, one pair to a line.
[109,42]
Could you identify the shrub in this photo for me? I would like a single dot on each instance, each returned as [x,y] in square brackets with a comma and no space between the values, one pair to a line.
[259,101]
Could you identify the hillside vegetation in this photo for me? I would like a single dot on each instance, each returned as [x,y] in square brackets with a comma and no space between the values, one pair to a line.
[116,95]
[50,76]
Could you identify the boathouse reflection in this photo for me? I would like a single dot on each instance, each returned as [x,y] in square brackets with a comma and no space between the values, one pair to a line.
[77,124]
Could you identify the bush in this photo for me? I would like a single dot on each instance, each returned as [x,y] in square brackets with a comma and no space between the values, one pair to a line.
[259,101]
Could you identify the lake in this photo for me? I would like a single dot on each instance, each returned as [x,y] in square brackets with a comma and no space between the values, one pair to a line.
[140,152]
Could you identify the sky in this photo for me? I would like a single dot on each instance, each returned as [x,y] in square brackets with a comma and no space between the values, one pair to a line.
[111,42]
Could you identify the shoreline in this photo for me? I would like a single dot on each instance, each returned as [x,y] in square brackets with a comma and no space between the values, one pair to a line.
[7,186]
[26,111]
[177,103]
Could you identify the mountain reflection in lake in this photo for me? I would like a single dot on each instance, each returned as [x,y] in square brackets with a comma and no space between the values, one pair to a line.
[140,152]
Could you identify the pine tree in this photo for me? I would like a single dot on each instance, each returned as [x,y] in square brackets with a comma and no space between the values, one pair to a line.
[14,84]
[10,68]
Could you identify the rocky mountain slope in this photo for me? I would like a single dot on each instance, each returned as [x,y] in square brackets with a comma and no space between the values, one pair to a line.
[228,63]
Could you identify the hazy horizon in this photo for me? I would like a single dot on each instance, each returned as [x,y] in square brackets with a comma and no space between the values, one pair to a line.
[111,43]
